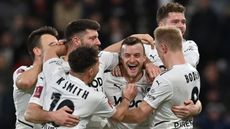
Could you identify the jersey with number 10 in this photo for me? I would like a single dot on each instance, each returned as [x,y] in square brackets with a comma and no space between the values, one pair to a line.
[65,90]
[173,87]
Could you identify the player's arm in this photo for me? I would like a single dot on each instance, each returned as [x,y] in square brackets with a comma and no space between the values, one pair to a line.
[27,79]
[128,94]
[151,69]
[35,114]
[189,109]
[191,53]
[115,47]
[139,114]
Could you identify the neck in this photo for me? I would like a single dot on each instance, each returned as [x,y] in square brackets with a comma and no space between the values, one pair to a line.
[175,58]
[81,76]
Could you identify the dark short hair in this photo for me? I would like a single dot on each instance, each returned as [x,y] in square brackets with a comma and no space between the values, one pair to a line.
[164,10]
[130,41]
[80,26]
[83,58]
[34,37]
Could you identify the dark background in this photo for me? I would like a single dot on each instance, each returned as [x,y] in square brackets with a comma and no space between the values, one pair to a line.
[208,24]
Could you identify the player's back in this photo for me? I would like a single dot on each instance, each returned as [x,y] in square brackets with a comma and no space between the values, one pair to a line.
[66,90]
[184,83]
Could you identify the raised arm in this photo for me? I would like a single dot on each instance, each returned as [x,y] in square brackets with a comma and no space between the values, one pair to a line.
[115,47]
[27,79]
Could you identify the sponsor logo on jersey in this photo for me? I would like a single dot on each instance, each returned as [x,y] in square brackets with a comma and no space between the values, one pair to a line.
[133,103]
[38,91]
[48,126]
[181,124]
[96,83]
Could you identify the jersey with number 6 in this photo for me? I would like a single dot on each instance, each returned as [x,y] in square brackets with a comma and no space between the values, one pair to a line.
[65,90]
[173,87]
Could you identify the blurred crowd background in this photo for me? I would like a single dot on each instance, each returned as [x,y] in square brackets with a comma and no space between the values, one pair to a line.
[208,24]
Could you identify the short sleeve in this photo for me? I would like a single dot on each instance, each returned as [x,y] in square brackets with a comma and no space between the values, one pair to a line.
[160,92]
[19,71]
[39,91]
[108,59]
[104,107]
[191,52]
[53,66]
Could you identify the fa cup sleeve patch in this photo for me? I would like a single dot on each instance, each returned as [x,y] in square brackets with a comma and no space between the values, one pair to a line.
[38,91]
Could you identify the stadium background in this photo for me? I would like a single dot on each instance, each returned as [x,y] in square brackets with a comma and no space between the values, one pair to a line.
[208,24]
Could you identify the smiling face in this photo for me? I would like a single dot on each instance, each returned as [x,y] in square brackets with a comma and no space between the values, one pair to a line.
[132,59]
[175,19]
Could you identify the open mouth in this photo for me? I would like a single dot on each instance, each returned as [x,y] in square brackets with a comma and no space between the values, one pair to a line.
[132,67]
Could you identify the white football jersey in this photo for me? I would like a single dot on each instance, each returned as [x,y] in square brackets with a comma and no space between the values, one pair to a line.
[113,88]
[107,61]
[21,99]
[173,87]
[64,89]
[190,51]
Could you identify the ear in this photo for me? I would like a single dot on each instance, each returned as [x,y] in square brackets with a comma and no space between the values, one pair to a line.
[91,72]
[164,48]
[162,22]
[37,51]
[76,41]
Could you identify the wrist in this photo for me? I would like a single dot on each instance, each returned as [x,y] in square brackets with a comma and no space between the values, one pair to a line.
[126,99]
[50,117]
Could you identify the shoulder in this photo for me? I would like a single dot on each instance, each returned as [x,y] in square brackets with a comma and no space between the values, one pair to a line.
[189,43]
[104,54]
[20,70]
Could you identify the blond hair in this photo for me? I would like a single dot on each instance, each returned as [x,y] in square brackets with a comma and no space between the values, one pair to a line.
[169,35]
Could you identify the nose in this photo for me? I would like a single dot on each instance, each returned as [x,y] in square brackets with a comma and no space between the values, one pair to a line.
[98,42]
[181,26]
[132,59]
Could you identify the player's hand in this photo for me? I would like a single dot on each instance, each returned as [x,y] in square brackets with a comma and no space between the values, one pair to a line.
[187,110]
[130,91]
[116,71]
[63,117]
[152,71]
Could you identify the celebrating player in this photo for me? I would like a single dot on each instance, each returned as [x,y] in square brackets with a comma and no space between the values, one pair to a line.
[25,77]
[72,89]
[132,58]
[173,87]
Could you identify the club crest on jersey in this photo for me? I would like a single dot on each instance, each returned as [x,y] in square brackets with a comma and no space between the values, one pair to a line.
[38,91]
[58,62]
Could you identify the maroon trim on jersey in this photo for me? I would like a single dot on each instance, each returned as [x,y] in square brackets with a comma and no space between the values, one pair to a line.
[20,71]
[38,91]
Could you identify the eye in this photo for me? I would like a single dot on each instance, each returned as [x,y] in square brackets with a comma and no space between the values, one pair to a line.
[137,55]
[126,55]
